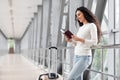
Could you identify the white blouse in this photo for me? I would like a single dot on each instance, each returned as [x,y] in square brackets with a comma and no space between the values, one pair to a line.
[89,33]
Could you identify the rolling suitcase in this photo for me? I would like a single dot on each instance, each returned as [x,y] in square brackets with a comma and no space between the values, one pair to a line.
[52,61]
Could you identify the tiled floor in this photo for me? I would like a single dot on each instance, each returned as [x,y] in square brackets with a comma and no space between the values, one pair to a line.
[16,67]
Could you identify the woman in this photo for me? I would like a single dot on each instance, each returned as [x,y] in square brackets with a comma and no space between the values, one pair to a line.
[88,35]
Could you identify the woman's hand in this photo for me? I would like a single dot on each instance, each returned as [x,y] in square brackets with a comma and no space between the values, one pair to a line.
[74,37]
[68,39]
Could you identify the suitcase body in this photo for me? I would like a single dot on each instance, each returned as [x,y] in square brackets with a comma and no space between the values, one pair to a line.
[48,76]
[51,75]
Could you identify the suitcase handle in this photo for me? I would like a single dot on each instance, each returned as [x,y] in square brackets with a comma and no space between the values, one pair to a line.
[53,47]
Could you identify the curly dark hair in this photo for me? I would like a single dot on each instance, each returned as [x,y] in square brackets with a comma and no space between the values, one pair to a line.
[91,18]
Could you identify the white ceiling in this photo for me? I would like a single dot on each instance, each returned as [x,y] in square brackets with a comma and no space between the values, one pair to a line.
[15,16]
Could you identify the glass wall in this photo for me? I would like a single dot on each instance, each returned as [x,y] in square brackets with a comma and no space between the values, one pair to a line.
[106,61]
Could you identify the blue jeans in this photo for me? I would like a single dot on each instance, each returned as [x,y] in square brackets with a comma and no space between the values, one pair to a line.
[81,63]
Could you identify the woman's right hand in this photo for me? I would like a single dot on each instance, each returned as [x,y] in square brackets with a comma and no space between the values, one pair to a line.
[68,39]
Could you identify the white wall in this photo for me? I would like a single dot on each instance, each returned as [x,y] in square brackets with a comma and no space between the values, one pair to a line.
[24,42]
[3,44]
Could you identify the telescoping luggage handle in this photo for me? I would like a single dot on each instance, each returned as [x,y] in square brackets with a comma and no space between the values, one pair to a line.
[52,75]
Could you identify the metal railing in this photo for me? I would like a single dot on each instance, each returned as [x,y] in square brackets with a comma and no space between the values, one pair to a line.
[108,61]
[64,60]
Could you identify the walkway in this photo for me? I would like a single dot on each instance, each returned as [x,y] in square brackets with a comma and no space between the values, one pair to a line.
[16,67]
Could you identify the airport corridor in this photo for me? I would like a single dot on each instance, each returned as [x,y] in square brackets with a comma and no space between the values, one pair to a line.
[32,41]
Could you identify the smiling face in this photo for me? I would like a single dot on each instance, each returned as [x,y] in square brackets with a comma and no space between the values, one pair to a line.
[80,16]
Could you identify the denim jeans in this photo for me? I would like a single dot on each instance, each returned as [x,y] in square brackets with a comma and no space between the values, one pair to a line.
[80,65]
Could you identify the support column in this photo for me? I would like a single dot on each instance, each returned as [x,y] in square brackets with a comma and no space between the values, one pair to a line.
[46,25]
[111,25]
[99,12]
